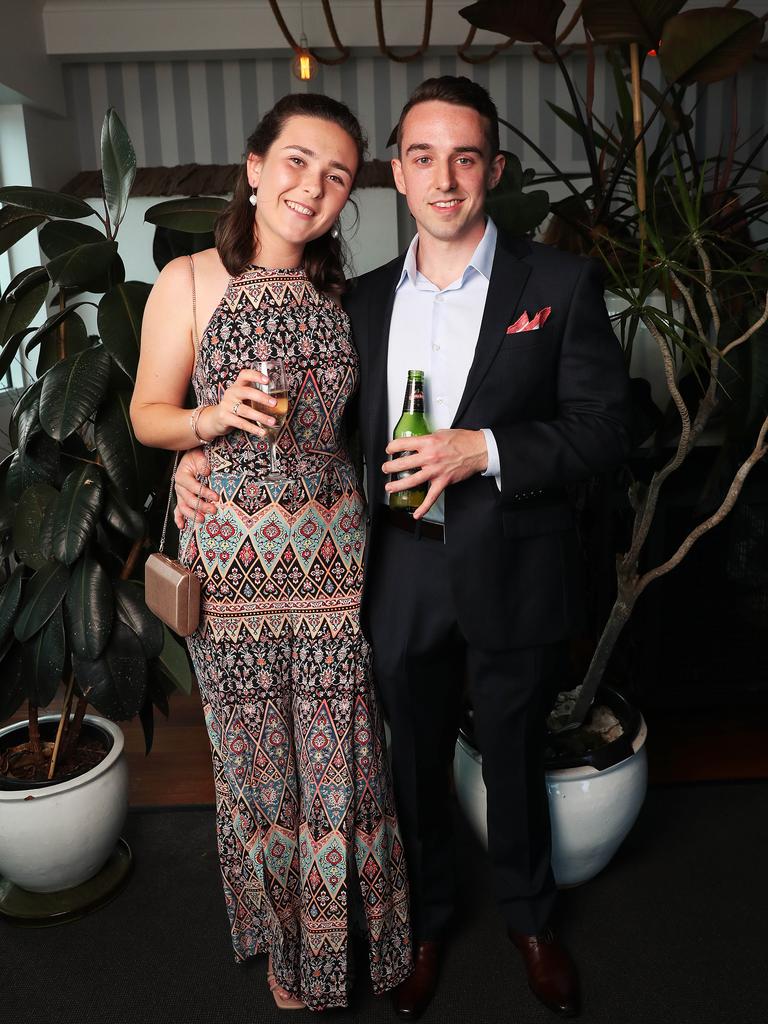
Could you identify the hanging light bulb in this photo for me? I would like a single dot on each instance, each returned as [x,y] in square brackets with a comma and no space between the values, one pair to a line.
[304,65]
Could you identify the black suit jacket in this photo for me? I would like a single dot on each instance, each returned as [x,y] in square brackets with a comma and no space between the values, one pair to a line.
[557,402]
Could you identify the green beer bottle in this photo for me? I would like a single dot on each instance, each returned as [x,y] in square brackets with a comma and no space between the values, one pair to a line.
[411,424]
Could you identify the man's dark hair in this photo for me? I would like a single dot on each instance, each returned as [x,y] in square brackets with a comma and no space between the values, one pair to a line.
[462,92]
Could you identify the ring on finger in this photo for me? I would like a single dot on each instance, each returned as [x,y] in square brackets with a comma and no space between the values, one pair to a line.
[235,407]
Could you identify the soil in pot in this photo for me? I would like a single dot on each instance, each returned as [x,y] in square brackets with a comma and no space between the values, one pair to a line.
[21,767]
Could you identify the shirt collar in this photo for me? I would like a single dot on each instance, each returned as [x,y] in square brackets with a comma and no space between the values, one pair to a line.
[481,259]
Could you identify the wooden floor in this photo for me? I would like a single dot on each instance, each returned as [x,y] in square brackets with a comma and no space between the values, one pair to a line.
[682,747]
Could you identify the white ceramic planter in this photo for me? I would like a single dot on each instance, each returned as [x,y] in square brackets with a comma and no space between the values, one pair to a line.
[59,836]
[591,811]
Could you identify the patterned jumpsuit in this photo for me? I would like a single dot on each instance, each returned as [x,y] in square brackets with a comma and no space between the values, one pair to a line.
[302,779]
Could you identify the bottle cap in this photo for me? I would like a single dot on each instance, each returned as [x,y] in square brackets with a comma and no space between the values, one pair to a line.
[419,374]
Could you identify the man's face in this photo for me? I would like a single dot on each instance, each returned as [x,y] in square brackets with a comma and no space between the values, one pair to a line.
[445,169]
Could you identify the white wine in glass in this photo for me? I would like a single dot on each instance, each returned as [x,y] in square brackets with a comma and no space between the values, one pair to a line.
[274,371]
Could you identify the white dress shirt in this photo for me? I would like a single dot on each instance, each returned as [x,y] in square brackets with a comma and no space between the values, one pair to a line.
[436,330]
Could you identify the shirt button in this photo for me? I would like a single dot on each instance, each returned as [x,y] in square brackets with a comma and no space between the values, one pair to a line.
[438,298]
[436,348]
[441,401]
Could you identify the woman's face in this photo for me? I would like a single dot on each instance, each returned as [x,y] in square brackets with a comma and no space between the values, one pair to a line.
[302,182]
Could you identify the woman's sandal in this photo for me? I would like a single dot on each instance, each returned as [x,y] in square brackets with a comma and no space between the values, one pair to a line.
[283,999]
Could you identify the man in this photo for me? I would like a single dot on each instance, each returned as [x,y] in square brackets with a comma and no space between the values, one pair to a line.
[526,393]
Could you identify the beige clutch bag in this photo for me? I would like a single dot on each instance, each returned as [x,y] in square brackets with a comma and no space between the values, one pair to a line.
[171,590]
[172,593]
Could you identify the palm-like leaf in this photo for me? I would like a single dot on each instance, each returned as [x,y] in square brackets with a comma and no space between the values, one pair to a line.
[613,22]
[519,20]
[708,45]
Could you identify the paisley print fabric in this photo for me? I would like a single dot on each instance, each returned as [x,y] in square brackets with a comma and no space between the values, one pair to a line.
[302,781]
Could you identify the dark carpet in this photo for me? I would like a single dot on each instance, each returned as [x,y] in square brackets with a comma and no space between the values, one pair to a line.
[675,929]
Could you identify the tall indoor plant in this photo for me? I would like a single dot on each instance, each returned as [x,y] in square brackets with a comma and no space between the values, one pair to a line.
[672,229]
[73,526]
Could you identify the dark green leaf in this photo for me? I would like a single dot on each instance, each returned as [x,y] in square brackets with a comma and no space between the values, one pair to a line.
[613,22]
[120,452]
[132,610]
[708,45]
[22,302]
[28,523]
[527,23]
[11,682]
[174,662]
[50,204]
[515,211]
[90,608]
[82,264]
[119,321]
[72,392]
[10,599]
[77,512]
[40,460]
[121,517]
[43,660]
[14,224]
[118,166]
[14,484]
[116,683]
[75,340]
[195,215]
[61,236]
[44,593]
[11,350]
[53,321]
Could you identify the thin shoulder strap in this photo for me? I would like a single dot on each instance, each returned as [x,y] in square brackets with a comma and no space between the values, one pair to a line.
[195,339]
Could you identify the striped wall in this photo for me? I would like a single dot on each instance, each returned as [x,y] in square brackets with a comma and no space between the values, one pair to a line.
[201,111]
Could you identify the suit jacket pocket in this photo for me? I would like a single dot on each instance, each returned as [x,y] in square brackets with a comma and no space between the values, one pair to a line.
[536,521]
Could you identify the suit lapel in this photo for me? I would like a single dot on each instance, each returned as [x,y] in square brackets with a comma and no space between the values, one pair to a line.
[379,320]
[505,288]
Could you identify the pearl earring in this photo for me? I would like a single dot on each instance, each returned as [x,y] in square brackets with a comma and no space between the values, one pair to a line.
[335,230]
[252,197]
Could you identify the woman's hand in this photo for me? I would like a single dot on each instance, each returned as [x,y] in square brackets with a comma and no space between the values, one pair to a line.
[234,411]
[191,466]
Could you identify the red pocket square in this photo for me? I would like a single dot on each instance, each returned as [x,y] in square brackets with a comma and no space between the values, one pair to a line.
[524,324]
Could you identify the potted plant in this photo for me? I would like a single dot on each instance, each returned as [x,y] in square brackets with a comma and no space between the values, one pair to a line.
[73,538]
[672,230]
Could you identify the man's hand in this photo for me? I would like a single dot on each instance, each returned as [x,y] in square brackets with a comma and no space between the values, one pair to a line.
[193,465]
[442,458]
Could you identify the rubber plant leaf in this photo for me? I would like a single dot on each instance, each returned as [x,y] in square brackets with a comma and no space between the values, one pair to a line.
[43,595]
[89,608]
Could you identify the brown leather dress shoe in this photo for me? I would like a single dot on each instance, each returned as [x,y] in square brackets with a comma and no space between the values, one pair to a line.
[411,998]
[551,974]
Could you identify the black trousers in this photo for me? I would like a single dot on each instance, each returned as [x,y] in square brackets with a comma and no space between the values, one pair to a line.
[421,663]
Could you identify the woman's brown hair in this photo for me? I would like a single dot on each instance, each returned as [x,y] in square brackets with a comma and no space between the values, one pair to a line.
[235,230]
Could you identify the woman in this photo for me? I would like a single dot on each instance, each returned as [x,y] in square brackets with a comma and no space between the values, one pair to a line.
[302,785]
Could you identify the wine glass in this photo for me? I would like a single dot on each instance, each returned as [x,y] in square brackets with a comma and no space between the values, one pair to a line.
[274,371]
